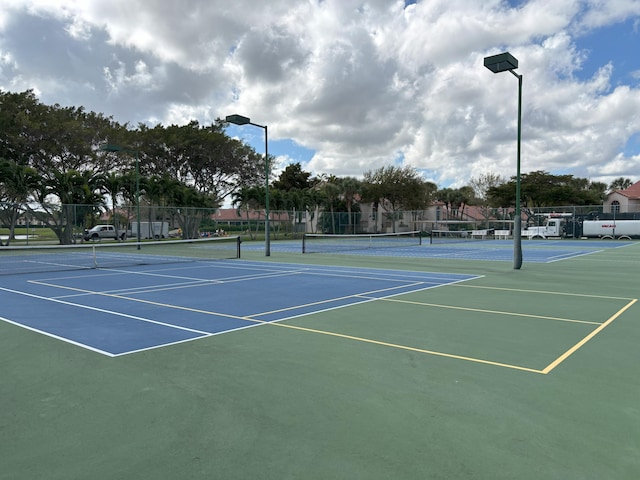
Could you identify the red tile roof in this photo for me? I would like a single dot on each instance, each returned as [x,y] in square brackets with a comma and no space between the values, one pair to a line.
[632,192]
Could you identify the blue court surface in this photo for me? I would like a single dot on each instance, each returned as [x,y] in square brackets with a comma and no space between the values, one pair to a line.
[121,311]
[533,251]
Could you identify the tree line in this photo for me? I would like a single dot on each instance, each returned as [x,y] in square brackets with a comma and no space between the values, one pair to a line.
[54,157]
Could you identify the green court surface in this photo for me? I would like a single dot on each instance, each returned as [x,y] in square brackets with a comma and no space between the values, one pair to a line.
[529,374]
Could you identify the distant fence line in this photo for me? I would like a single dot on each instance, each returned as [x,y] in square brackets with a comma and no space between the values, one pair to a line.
[69,221]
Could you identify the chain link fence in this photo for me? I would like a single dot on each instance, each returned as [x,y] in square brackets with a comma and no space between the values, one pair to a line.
[66,224]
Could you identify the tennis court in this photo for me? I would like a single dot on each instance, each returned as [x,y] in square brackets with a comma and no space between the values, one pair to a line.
[347,365]
[119,311]
[534,251]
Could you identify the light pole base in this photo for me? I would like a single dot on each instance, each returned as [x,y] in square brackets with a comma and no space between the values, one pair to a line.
[517,243]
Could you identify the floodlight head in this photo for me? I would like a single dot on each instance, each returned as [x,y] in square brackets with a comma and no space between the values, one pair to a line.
[238,119]
[501,63]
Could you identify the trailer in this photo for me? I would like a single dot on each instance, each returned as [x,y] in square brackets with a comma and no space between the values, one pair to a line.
[155,230]
[621,229]
[571,227]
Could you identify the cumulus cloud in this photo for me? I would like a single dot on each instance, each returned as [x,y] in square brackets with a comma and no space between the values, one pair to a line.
[361,83]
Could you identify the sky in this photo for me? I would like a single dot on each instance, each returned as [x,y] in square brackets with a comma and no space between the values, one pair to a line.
[349,86]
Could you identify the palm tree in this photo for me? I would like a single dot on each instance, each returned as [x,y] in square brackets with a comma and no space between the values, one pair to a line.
[248,199]
[16,183]
[114,184]
[331,193]
[158,191]
[620,183]
[79,196]
[315,200]
[351,190]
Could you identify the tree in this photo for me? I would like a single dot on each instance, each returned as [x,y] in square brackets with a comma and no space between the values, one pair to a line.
[351,189]
[316,198]
[248,199]
[393,188]
[293,177]
[16,184]
[300,201]
[57,143]
[79,197]
[483,183]
[56,140]
[202,156]
[481,186]
[189,207]
[330,191]
[113,186]
[541,189]
[455,200]
[620,183]
[16,113]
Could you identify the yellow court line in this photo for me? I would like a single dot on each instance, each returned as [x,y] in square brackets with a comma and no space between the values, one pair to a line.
[495,312]
[568,294]
[335,299]
[548,369]
[310,330]
[404,347]
[573,349]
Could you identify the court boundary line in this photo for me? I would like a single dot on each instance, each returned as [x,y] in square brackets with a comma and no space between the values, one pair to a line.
[462,283]
[546,292]
[57,337]
[386,275]
[494,312]
[278,323]
[404,347]
[365,299]
[157,288]
[556,362]
[588,337]
[122,296]
[250,318]
[103,310]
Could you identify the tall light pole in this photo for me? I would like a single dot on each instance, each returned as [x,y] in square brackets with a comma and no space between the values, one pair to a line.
[505,62]
[117,148]
[240,120]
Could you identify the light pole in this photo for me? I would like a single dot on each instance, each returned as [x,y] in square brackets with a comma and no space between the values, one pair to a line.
[240,120]
[116,148]
[505,62]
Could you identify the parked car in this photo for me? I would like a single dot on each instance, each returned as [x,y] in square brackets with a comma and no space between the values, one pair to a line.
[100,232]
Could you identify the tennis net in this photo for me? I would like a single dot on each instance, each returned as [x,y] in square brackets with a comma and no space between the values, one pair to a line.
[47,258]
[457,236]
[327,243]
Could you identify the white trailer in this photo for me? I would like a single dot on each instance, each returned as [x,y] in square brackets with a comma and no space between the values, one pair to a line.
[155,230]
[625,229]
[559,225]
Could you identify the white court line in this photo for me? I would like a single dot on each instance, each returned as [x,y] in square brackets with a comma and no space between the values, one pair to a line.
[381,274]
[102,310]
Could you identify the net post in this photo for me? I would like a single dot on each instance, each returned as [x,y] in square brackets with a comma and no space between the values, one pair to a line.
[95,256]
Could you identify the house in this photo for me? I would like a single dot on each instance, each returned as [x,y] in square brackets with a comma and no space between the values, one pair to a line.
[623,201]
